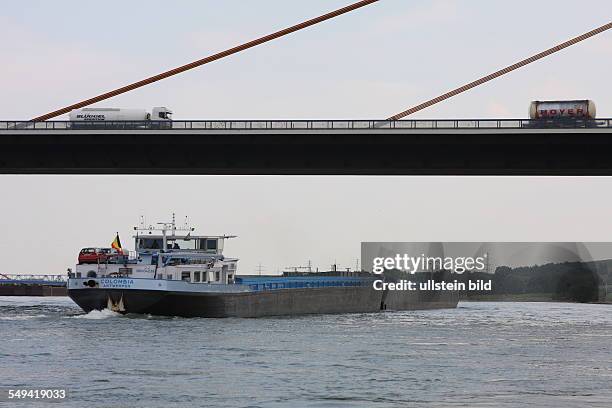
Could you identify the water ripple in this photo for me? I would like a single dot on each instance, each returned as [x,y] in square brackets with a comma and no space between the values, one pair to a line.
[481,354]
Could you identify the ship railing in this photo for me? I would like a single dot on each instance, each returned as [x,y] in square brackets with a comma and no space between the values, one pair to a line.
[306,125]
[126,257]
[257,284]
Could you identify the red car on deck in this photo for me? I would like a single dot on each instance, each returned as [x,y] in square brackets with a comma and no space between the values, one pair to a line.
[95,255]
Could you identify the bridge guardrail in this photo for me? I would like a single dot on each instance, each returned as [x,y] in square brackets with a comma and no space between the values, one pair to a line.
[237,125]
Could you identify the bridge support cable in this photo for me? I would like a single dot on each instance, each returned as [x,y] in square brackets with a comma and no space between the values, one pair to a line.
[501,72]
[207,60]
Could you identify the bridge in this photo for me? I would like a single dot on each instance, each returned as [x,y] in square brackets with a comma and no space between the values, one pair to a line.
[48,280]
[309,126]
[408,147]
[392,146]
[33,285]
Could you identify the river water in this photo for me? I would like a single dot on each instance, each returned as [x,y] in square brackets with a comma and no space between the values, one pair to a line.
[478,355]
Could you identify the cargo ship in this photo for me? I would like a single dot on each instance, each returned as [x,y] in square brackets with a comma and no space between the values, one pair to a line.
[174,273]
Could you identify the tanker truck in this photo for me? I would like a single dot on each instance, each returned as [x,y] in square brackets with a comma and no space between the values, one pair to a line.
[118,118]
[562,114]
[579,109]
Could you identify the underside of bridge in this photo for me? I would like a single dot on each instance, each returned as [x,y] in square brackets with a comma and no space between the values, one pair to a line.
[476,152]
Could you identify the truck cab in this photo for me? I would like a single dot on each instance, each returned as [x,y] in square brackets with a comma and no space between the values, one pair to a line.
[161,114]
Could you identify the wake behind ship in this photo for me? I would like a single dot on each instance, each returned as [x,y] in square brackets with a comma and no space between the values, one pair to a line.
[175,273]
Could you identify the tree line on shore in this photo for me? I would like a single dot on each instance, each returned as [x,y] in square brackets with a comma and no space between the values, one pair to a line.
[568,281]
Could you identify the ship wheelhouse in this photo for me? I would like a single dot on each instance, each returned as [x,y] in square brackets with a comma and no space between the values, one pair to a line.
[169,253]
[201,244]
[193,259]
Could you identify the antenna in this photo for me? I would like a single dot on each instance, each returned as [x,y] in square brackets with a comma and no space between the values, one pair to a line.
[488,264]
[297,269]
[173,224]
[169,227]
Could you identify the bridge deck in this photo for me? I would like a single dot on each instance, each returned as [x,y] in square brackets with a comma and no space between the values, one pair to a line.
[312,126]
[310,147]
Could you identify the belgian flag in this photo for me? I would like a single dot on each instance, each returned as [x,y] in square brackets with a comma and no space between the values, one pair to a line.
[117,244]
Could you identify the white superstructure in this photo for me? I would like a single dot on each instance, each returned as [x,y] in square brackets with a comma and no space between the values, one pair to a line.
[167,252]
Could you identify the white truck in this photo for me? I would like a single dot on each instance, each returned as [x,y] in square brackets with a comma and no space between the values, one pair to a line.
[160,117]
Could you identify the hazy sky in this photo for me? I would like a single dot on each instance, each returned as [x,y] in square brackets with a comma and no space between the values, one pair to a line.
[370,64]
[286,221]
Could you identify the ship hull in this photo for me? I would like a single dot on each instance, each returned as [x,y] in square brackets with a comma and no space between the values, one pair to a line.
[331,300]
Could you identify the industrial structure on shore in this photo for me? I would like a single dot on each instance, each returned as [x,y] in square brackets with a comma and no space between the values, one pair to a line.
[33,285]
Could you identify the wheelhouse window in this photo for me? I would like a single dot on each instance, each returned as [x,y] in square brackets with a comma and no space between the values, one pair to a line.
[196,277]
[209,244]
[217,276]
[182,243]
[151,243]
[186,276]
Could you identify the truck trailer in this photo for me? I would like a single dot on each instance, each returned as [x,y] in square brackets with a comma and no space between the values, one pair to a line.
[119,118]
